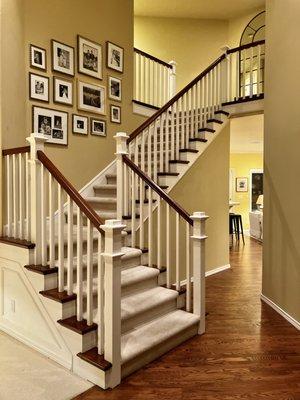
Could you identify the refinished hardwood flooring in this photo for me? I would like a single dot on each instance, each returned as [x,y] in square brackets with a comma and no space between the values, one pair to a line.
[248,352]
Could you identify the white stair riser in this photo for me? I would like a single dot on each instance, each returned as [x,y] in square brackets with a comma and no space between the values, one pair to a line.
[188,156]
[105,193]
[178,167]
[213,125]
[167,180]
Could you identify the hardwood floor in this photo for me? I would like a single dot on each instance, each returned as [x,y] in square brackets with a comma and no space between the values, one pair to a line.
[248,352]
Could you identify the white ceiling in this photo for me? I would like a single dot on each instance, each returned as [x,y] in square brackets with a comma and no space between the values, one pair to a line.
[205,9]
[246,134]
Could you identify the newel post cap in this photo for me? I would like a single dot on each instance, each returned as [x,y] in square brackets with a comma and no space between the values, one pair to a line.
[112,224]
[121,136]
[36,138]
[199,215]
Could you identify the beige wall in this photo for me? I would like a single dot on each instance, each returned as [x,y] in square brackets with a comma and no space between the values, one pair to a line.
[205,188]
[281,259]
[37,22]
[242,163]
[192,43]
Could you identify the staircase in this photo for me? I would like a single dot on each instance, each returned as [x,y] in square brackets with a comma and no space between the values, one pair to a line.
[119,272]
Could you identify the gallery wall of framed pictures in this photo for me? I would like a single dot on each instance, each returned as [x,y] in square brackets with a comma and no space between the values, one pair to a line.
[85,79]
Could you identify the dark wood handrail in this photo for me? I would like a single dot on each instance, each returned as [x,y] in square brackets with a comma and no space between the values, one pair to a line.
[72,192]
[174,99]
[153,58]
[157,189]
[16,150]
[246,46]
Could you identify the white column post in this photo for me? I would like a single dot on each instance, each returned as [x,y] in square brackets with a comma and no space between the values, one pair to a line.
[198,243]
[225,75]
[112,298]
[36,142]
[121,139]
[172,77]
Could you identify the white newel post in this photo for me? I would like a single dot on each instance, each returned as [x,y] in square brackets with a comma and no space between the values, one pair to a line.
[112,298]
[225,75]
[121,139]
[172,83]
[36,142]
[198,245]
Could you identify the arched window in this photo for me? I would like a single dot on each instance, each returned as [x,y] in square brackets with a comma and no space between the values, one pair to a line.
[252,64]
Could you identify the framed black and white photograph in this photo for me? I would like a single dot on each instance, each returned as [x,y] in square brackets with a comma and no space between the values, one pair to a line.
[91,98]
[62,58]
[241,184]
[115,57]
[38,87]
[115,114]
[51,123]
[114,88]
[80,124]
[98,127]
[89,57]
[62,91]
[38,58]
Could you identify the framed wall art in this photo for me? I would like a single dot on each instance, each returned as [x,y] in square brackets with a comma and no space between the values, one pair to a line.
[98,127]
[38,87]
[37,57]
[241,185]
[91,98]
[115,114]
[80,124]
[53,124]
[114,88]
[62,91]
[115,57]
[62,58]
[89,57]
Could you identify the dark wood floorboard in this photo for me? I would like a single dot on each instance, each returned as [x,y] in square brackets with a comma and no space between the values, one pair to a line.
[248,351]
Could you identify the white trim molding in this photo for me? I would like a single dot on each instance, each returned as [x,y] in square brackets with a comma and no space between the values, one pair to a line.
[280,311]
[217,270]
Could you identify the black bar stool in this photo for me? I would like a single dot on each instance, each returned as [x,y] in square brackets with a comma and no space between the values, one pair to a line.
[236,226]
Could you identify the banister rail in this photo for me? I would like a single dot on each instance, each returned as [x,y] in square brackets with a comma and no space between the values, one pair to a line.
[151,57]
[246,46]
[164,108]
[16,150]
[72,192]
[161,193]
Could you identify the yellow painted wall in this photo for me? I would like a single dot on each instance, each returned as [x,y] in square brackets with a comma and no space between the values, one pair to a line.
[242,163]
[281,255]
[37,22]
[192,43]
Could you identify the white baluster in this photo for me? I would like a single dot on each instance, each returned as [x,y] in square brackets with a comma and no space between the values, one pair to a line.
[15,196]
[70,217]
[168,247]
[51,220]
[150,228]
[198,243]
[173,141]
[133,207]
[43,216]
[21,196]
[9,197]
[79,274]
[89,273]
[61,270]
[172,78]
[27,194]
[100,297]
[177,258]
[188,268]
[142,197]
[158,233]
[155,149]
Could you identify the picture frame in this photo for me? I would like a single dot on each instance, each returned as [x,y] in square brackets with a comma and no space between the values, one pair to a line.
[114,88]
[241,184]
[38,87]
[80,124]
[53,124]
[115,114]
[98,127]
[114,57]
[91,98]
[89,55]
[63,58]
[62,91]
[37,57]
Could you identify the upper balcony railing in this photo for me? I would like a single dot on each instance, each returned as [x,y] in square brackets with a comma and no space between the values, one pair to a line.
[154,79]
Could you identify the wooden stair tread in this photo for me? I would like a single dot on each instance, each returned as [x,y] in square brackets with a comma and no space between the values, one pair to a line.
[217,121]
[41,269]
[167,173]
[92,357]
[222,112]
[206,130]
[60,297]
[17,242]
[198,140]
[188,151]
[178,162]
[80,327]
[244,99]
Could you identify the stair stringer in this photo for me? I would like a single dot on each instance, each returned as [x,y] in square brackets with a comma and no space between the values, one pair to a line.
[23,314]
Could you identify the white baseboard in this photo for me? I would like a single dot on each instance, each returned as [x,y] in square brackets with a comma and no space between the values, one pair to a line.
[280,311]
[217,270]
